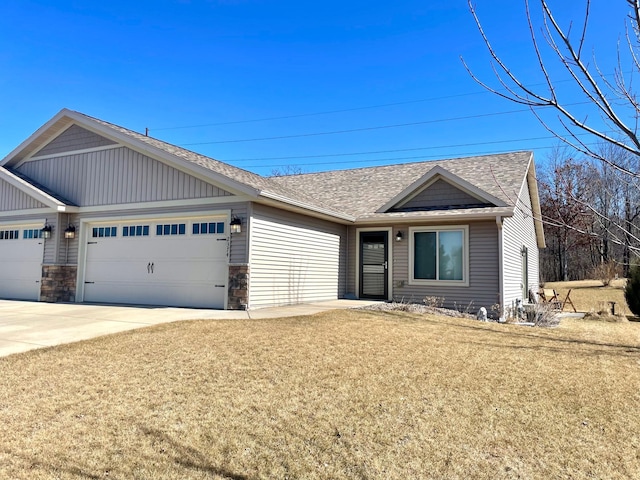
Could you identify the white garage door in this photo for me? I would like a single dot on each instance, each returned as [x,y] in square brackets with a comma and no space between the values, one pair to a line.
[179,263]
[21,252]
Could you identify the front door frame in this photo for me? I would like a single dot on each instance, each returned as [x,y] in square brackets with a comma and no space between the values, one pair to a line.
[388,231]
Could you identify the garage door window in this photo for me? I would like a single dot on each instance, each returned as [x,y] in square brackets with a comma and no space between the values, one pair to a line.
[207,228]
[171,229]
[32,233]
[100,232]
[9,234]
[135,231]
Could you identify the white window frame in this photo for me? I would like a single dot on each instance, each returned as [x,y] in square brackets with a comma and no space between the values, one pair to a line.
[465,256]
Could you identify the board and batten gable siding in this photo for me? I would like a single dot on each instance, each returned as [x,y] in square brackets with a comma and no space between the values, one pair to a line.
[484,285]
[294,258]
[12,198]
[438,194]
[519,231]
[72,139]
[116,176]
[237,248]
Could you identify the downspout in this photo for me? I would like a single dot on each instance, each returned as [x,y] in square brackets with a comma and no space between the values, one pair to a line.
[500,266]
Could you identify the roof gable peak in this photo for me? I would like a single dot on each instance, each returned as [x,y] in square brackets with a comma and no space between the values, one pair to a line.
[433,176]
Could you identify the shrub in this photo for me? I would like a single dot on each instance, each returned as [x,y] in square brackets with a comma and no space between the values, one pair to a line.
[632,290]
[543,315]
[605,272]
[434,302]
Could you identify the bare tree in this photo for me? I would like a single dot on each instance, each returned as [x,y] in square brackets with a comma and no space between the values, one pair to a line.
[565,188]
[611,95]
[286,170]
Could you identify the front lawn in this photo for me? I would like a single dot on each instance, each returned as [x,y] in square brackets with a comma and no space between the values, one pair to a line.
[344,394]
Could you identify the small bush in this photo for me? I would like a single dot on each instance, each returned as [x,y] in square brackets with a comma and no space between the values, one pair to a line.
[543,315]
[435,302]
[632,290]
[605,272]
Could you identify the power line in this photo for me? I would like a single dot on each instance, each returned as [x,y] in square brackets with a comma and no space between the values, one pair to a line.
[364,129]
[328,112]
[374,152]
[395,159]
[344,110]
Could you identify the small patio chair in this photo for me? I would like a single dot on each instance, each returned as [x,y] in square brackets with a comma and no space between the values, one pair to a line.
[550,297]
[568,300]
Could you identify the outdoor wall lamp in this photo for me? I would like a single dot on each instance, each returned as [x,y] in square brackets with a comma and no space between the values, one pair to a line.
[70,232]
[236,225]
[46,230]
[399,236]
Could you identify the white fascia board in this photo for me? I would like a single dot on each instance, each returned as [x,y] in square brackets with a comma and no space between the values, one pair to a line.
[285,203]
[535,203]
[451,178]
[32,191]
[39,133]
[454,217]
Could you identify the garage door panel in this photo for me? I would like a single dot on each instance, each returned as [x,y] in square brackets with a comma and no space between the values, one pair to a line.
[179,270]
[21,271]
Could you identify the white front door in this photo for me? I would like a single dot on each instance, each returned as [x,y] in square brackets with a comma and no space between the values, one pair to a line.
[21,252]
[177,262]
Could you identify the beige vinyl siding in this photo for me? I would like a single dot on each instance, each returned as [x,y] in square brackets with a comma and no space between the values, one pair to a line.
[74,138]
[116,176]
[12,198]
[519,230]
[294,258]
[483,289]
[68,250]
[52,244]
[439,194]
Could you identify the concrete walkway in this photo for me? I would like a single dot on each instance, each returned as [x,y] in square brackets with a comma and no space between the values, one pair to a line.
[29,325]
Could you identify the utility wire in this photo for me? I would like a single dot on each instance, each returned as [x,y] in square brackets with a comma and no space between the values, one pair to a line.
[364,129]
[344,110]
[394,159]
[375,152]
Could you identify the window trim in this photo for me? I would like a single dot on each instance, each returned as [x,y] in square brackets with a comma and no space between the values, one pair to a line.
[465,256]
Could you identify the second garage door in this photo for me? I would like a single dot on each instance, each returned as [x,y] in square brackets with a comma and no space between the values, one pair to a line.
[167,262]
[21,250]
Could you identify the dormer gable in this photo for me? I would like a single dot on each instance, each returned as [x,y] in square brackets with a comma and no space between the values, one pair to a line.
[439,189]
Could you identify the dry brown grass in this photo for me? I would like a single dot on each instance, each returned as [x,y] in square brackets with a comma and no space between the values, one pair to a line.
[347,394]
[590,295]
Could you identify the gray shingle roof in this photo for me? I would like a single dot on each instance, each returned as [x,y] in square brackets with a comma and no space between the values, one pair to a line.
[361,192]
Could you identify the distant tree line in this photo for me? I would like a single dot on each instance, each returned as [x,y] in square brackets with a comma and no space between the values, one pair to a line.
[591,214]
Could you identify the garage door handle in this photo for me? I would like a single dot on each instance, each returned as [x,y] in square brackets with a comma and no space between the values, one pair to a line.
[152,265]
[89,283]
[219,286]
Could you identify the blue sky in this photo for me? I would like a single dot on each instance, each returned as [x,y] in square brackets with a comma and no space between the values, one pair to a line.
[214,76]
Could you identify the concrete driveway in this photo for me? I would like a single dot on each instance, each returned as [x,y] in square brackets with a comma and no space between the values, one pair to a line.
[29,325]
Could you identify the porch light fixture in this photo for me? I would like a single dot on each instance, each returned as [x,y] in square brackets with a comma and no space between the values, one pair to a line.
[70,232]
[236,225]
[46,230]
[399,236]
